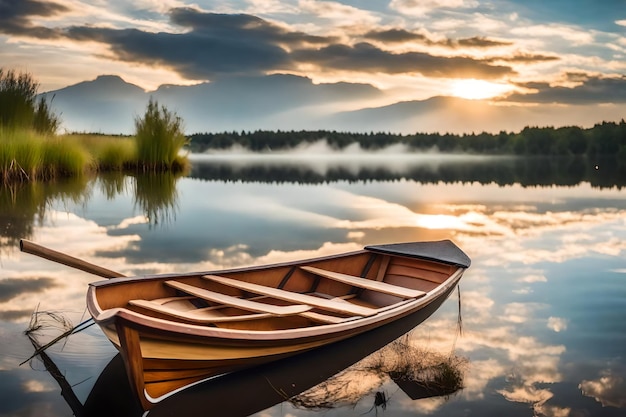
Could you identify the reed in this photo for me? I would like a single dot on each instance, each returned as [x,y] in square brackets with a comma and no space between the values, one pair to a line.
[26,155]
[20,156]
[63,157]
[110,153]
[160,138]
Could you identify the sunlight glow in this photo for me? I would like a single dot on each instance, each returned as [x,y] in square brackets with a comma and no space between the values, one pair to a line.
[474,89]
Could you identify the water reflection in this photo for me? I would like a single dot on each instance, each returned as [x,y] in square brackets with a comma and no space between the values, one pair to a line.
[23,206]
[363,363]
[418,372]
[543,304]
[423,168]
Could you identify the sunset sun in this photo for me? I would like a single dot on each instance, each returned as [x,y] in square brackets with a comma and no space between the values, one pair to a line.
[473,89]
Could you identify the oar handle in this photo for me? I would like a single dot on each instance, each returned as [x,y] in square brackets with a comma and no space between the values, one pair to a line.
[58,257]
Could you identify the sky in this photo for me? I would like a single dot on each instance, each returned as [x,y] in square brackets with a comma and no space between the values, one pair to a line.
[511,52]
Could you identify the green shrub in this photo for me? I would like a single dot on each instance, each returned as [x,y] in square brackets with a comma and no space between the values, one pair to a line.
[17,99]
[19,108]
[160,137]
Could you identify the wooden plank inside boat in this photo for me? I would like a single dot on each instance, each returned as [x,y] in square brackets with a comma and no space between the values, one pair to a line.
[330,305]
[200,315]
[366,283]
[239,302]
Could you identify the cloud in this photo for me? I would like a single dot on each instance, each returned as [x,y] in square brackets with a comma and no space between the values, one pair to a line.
[519,312]
[15,315]
[13,287]
[526,58]
[608,390]
[531,278]
[420,7]
[395,36]
[557,324]
[588,89]
[403,35]
[216,44]
[480,42]
[241,26]
[15,17]
[367,57]
[573,35]
[338,12]
[236,44]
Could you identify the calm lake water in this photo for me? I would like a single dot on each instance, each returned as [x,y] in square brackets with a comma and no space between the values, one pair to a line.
[538,326]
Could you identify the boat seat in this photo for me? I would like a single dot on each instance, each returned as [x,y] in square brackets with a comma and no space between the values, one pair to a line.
[321,303]
[325,318]
[202,315]
[365,283]
[239,302]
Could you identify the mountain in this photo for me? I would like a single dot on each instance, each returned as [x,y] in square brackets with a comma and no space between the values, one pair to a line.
[108,104]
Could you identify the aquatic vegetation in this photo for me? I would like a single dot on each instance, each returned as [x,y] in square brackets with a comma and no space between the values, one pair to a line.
[159,137]
[110,153]
[62,157]
[28,156]
[30,150]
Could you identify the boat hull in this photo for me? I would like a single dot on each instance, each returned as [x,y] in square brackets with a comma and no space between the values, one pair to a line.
[162,357]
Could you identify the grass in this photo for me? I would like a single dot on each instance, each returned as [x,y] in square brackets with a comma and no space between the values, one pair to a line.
[30,150]
[110,153]
[20,156]
[26,155]
[63,157]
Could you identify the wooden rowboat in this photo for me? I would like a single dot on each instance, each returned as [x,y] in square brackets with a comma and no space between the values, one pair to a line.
[176,330]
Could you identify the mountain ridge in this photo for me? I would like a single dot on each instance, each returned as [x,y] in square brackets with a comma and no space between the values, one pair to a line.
[108,104]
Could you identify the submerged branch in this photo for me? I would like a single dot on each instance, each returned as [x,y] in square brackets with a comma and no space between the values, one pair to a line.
[36,325]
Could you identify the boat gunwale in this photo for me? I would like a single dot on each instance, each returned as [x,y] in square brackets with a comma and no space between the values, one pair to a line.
[122,280]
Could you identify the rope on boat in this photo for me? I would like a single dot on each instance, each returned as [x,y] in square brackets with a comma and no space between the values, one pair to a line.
[460,316]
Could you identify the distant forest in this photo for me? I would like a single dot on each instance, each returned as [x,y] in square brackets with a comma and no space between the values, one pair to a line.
[606,138]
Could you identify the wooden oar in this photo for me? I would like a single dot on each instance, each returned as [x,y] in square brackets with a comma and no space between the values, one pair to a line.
[62,258]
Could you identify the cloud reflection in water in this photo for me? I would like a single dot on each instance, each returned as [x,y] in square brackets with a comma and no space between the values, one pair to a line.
[521,300]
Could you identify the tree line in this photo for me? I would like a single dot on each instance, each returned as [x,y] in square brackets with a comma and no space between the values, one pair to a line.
[606,138]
